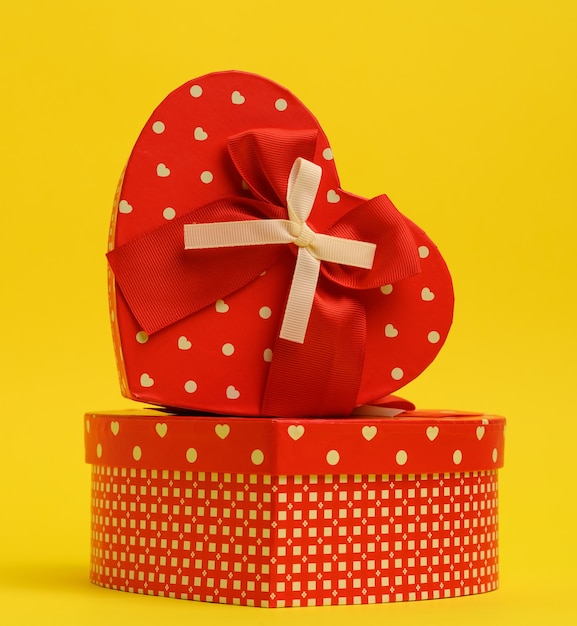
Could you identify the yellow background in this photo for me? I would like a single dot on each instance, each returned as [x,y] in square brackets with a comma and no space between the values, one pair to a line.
[463,112]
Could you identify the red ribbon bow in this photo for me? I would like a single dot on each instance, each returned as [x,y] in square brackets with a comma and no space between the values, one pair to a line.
[163,283]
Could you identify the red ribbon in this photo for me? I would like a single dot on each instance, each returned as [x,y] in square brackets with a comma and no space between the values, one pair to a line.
[162,283]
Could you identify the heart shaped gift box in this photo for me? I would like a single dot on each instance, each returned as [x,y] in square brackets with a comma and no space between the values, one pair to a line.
[245,281]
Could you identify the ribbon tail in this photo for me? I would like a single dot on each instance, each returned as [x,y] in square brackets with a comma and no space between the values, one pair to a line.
[301,297]
[322,376]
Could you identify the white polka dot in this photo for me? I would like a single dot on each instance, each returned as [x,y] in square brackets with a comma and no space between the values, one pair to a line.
[191,455]
[190,386]
[206,177]
[327,154]
[99,450]
[137,453]
[227,349]
[387,289]
[495,455]
[169,213]
[141,337]
[401,457]
[457,457]
[265,312]
[397,373]
[281,104]
[196,91]
[423,252]
[333,457]
[434,337]
[267,355]
[158,127]
[257,457]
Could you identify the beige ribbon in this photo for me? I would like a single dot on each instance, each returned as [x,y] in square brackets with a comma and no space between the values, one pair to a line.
[303,185]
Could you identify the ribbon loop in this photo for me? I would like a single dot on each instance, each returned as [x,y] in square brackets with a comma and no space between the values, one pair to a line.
[302,188]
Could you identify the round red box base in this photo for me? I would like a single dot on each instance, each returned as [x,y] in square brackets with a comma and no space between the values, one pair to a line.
[282,541]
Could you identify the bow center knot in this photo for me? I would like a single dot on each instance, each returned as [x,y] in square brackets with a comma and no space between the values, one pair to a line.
[302,188]
[305,236]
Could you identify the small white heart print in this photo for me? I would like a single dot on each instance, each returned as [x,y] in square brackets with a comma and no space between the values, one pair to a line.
[237,97]
[427,295]
[432,432]
[161,429]
[114,427]
[162,170]
[221,306]
[391,331]
[222,430]
[200,134]
[332,196]
[184,343]
[146,380]
[232,393]
[369,432]
[124,207]
[480,432]
[296,431]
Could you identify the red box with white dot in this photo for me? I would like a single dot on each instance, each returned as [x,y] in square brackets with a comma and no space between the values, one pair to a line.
[295,512]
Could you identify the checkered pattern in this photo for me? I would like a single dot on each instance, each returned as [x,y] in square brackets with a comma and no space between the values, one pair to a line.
[275,541]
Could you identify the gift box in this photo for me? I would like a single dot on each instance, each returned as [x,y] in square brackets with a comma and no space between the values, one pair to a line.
[295,512]
[238,263]
[272,314]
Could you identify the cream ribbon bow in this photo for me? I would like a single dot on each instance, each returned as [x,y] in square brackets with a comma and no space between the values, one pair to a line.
[303,185]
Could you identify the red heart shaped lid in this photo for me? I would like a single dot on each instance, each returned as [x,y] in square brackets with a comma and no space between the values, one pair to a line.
[244,280]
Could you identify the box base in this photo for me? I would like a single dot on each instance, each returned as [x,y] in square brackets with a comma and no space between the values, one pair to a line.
[283,541]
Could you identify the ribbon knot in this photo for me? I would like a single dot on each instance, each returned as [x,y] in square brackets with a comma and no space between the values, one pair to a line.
[302,188]
[305,237]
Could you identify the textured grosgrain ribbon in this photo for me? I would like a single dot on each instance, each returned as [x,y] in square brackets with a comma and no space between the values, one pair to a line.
[303,184]
[162,283]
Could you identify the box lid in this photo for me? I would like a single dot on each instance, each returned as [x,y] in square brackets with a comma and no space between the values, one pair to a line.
[414,442]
